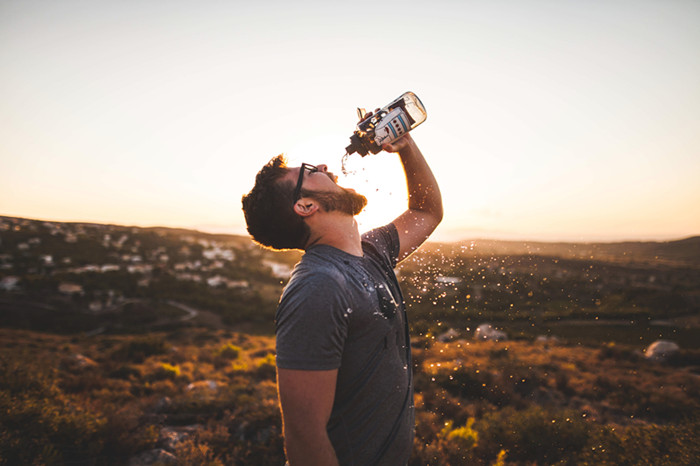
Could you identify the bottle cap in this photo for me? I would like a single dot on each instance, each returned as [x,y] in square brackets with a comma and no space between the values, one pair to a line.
[357,145]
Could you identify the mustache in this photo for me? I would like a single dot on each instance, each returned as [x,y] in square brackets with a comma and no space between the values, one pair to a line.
[346,201]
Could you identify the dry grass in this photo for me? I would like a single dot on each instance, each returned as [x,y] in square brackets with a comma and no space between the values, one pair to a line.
[476,402]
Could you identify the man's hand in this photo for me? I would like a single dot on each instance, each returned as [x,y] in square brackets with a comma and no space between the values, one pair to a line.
[399,144]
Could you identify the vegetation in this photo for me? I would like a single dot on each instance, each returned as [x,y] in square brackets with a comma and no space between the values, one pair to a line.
[209,397]
[119,344]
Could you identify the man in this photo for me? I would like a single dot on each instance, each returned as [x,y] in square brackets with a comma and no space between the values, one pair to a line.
[343,351]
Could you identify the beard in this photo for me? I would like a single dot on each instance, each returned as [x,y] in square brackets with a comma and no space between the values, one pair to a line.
[346,201]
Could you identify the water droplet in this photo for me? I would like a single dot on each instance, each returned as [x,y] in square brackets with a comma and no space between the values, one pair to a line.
[344,166]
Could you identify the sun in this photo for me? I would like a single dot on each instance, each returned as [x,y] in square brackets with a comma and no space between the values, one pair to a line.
[379,177]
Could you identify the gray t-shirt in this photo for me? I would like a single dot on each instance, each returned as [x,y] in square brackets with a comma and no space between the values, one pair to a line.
[345,312]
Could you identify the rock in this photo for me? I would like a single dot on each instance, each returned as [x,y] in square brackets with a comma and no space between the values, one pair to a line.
[449,335]
[170,437]
[78,362]
[150,457]
[546,340]
[487,332]
[163,404]
[204,386]
[660,350]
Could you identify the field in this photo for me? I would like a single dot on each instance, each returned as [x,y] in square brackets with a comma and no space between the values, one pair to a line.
[152,346]
[200,396]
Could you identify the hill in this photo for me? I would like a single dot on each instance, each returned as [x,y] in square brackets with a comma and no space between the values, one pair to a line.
[80,277]
[679,252]
[199,396]
[125,345]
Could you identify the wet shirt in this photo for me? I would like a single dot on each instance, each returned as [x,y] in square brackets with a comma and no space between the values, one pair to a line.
[345,312]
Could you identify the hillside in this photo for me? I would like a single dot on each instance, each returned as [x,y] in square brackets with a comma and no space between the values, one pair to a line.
[73,277]
[125,345]
[81,277]
[679,252]
[200,396]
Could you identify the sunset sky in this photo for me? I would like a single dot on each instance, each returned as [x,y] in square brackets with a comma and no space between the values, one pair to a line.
[547,120]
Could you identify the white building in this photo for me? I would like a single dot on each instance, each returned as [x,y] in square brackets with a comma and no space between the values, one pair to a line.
[278,270]
[70,288]
[9,283]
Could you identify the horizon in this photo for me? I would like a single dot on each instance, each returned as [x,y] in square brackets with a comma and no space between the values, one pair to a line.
[213,230]
[547,121]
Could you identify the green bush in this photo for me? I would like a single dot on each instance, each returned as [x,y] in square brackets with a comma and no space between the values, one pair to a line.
[228,352]
[266,367]
[644,444]
[39,424]
[532,435]
[166,371]
[465,437]
[138,349]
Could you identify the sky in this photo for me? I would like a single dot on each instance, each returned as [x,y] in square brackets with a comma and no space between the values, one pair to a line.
[551,120]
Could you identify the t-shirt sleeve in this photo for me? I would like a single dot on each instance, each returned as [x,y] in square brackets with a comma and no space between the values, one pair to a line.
[311,324]
[386,242]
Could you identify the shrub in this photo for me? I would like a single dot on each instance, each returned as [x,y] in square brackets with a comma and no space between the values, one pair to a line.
[644,444]
[228,352]
[125,372]
[532,435]
[138,349]
[190,451]
[166,371]
[39,423]
[465,437]
[266,368]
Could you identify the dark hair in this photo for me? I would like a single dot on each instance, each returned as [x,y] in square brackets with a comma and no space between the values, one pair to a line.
[269,212]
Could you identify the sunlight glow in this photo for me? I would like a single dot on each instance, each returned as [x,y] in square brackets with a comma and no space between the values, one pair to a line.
[536,129]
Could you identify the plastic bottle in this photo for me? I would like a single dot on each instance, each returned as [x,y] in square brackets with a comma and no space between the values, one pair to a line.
[386,125]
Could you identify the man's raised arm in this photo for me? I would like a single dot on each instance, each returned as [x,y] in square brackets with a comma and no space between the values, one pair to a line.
[424,199]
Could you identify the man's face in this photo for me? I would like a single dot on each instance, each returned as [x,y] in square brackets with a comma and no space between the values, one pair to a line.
[322,186]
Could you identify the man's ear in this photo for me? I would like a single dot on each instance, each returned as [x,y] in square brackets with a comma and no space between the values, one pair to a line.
[305,206]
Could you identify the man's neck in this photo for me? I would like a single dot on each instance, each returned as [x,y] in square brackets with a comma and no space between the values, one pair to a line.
[337,230]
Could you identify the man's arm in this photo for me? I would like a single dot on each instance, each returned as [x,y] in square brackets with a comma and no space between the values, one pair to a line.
[424,199]
[306,398]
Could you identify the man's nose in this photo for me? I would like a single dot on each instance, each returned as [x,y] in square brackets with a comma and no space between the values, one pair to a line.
[322,168]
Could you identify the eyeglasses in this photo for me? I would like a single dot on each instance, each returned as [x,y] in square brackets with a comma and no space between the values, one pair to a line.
[304,167]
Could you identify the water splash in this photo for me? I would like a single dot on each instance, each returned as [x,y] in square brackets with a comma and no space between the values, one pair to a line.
[344,165]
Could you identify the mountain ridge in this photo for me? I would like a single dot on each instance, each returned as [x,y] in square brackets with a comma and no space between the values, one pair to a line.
[683,251]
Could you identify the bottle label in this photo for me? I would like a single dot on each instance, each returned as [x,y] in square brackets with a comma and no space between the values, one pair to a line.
[394,125]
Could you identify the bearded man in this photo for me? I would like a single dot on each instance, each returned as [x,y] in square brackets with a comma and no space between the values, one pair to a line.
[344,370]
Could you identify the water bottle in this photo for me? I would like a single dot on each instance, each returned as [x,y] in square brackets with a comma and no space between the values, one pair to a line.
[386,124]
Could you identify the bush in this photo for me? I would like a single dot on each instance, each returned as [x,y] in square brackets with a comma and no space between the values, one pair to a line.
[465,437]
[645,444]
[166,372]
[39,424]
[532,435]
[266,367]
[125,372]
[228,352]
[138,349]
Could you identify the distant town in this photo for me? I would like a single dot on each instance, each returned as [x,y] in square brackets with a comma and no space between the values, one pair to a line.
[78,276]
[98,268]
[125,345]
